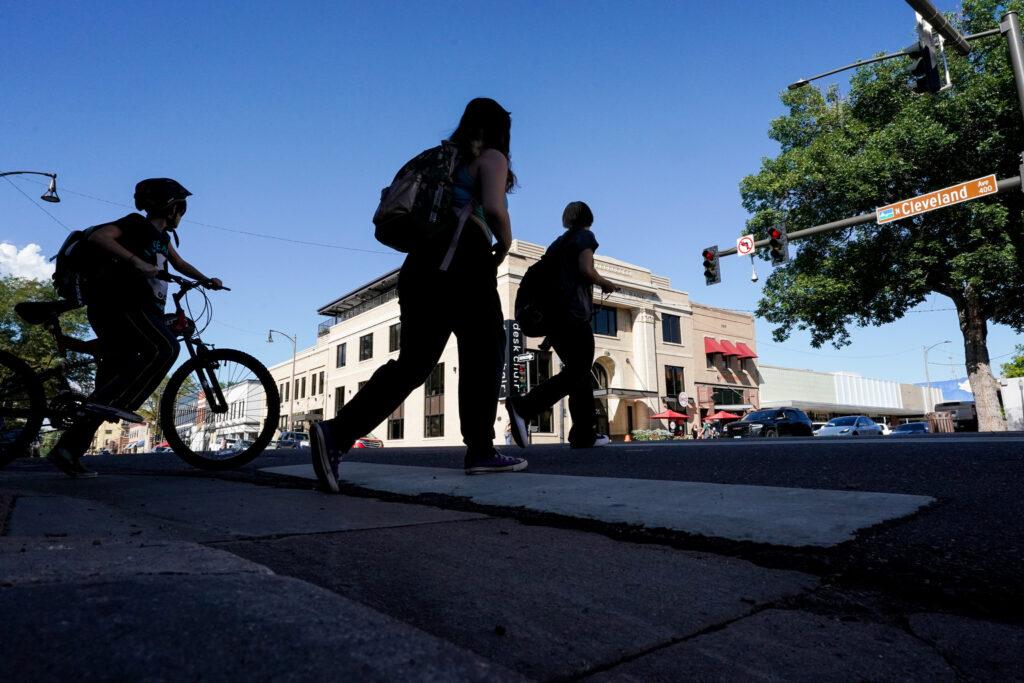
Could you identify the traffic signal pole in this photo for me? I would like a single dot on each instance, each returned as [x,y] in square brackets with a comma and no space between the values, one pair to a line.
[1009,27]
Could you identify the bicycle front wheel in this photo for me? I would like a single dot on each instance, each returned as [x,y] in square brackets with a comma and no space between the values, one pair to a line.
[22,405]
[220,409]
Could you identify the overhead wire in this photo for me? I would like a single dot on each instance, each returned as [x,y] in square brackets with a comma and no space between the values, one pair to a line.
[38,205]
[248,233]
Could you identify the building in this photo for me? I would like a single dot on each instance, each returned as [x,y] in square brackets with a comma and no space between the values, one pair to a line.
[205,430]
[655,349]
[140,438]
[107,436]
[1011,391]
[824,395]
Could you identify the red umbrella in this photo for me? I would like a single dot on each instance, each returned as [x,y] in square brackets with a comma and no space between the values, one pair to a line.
[669,415]
[722,415]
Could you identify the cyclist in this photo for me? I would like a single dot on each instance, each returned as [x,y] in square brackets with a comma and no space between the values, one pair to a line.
[125,304]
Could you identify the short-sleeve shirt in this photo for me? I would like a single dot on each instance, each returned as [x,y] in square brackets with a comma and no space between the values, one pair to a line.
[577,291]
[120,282]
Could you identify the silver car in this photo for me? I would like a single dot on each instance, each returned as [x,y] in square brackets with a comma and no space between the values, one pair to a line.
[852,425]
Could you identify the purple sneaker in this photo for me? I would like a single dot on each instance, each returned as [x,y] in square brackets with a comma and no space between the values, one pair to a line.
[493,462]
[325,458]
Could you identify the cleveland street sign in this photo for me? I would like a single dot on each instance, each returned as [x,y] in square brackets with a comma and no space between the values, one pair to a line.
[939,199]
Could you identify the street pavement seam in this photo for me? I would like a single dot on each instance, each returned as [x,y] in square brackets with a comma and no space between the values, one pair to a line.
[278,537]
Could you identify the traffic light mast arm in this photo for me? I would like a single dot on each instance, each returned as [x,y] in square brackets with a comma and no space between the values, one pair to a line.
[861,62]
[1014,183]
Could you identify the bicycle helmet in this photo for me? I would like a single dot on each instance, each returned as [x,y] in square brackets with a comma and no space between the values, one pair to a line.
[154,194]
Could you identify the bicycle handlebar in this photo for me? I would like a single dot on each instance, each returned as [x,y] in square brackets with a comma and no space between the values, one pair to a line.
[185,282]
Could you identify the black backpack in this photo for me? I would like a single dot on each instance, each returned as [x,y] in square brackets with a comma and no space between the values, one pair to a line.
[73,261]
[538,297]
[417,205]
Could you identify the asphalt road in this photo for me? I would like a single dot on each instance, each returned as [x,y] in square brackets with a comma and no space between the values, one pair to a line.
[963,554]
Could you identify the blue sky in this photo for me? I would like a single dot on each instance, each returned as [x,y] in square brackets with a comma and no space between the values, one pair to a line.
[287,119]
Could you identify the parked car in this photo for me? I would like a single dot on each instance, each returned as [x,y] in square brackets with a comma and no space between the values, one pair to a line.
[161,449]
[368,441]
[965,414]
[910,429]
[770,423]
[851,425]
[886,429]
[293,440]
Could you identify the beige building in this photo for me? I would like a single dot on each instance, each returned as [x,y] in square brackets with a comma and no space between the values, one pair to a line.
[653,347]
[107,436]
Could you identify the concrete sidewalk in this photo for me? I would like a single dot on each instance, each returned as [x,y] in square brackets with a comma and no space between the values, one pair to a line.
[182,577]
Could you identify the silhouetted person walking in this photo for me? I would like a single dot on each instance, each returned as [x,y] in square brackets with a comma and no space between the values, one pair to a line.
[435,303]
[572,335]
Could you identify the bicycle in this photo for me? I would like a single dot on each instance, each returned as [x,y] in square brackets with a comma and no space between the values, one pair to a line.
[219,410]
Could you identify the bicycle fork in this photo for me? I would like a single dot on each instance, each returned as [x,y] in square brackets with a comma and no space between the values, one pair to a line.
[208,381]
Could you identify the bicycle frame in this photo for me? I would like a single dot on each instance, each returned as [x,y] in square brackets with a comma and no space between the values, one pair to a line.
[186,331]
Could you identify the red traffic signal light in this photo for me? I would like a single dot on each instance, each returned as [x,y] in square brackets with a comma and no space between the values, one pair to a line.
[712,274]
[778,244]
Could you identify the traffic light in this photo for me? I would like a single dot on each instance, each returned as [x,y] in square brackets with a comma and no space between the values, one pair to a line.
[712,273]
[778,244]
[925,64]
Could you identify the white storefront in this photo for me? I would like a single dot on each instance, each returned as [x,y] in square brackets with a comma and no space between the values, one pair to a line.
[827,394]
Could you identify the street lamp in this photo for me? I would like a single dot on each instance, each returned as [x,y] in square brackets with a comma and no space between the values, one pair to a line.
[927,376]
[291,383]
[51,192]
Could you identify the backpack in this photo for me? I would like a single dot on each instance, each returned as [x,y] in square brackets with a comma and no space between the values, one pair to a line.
[417,205]
[72,262]
[537,298]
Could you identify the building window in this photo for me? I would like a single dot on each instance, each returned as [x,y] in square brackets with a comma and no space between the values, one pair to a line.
[302,388]
[295,389]
[287,386]
[283,422]
[366,347]
[605,321]
[339,356]
[321,382]
[395,337]
[396,423]
[359,387]
[433,408]
[539,370]
[339,399]
[674,384]
[670,331]
[726,396]
[281,393]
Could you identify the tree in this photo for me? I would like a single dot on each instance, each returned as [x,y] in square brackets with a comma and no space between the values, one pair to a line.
[844,156]
[150,411]
[32,343]
[1015,366]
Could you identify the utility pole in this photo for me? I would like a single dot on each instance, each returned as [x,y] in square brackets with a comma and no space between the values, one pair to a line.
[927,374]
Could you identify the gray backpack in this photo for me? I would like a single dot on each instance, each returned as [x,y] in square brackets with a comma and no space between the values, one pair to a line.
[417,205]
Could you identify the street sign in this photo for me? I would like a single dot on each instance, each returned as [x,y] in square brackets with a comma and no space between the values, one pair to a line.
[939,199]
[745,245]
[524,357]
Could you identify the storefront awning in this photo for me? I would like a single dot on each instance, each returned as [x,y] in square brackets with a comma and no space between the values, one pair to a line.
[624,393]
[711,345]
[729,349]
[745,351]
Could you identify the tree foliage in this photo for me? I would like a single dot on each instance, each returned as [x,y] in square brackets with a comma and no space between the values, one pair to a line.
[1015,366]
[844,156]
[32,343]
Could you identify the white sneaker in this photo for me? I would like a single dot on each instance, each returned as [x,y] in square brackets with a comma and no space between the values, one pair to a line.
[601,440]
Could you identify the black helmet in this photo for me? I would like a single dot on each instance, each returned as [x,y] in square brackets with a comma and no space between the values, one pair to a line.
[154,194]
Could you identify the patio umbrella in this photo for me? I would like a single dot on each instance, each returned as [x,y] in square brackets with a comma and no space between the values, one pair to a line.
[722,415]
[669,415]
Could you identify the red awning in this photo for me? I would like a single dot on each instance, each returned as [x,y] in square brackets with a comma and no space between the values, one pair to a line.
[728,348]
[712,346]
[669,415]
[745,351]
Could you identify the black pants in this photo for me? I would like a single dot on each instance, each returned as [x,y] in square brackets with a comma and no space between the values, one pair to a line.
[435,304]
[136,352]
[573,341]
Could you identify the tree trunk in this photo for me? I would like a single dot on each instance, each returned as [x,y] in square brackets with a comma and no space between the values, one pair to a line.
[979,369]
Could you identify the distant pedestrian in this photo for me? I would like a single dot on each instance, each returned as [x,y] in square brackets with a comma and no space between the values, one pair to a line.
[508,434]
[571,335]
[435,302]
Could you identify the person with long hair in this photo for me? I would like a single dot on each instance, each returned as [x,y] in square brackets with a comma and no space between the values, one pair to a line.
[435,303]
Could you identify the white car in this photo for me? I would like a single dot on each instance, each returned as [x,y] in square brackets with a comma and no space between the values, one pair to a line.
[886,430]
[852,425]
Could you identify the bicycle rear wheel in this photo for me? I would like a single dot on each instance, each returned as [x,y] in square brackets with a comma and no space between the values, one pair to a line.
[22,405]
[220,409]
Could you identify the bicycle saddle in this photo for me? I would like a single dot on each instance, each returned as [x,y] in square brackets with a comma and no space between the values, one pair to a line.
[39,312]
